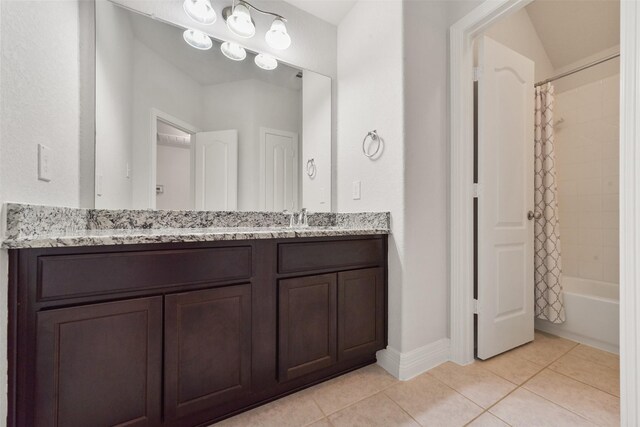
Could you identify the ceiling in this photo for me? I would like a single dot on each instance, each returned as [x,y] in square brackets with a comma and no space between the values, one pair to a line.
[208,67]
[571,30]
[331,11]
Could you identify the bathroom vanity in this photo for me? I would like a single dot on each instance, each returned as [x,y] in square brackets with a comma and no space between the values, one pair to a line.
[184,333]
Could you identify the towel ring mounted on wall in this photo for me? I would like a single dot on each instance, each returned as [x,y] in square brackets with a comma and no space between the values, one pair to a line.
[374,138]
[311,168]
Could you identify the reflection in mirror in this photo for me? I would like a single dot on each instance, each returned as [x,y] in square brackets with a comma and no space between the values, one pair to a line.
[185,128]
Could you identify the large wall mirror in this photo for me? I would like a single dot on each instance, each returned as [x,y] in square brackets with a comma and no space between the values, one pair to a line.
[183,128]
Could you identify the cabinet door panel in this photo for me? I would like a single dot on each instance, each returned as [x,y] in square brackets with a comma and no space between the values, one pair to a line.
[207,348]
[361,302]
[306,325]
[100,365]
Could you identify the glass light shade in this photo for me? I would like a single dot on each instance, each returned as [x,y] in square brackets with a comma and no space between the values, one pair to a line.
[200,11]
[233,51]
[240,23]
[266,62]
[277,36]
[197,39]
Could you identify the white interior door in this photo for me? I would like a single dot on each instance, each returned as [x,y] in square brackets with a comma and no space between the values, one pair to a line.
[505,177]
[216,161]
[279,177]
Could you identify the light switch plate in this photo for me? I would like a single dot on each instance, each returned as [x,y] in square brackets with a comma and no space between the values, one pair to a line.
[356,190]
[44,163]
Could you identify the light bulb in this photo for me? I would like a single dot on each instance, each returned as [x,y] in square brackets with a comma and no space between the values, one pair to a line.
[277,36]
[266,62]
[233,51]
[200,11]
[197,39]
[240,23]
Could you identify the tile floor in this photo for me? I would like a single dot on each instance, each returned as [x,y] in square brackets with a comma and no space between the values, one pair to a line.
[550,382]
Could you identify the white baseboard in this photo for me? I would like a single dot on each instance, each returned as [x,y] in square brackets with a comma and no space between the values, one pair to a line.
[405,366]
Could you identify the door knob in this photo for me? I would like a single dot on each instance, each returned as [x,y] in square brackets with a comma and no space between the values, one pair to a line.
[534,215]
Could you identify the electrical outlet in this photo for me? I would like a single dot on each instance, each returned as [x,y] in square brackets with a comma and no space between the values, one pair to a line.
[356,190]
[44,163]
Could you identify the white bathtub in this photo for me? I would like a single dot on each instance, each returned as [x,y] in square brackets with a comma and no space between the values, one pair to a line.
[593,313]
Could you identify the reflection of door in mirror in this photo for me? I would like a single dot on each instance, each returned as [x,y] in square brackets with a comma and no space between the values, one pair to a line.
[173,168]
[279,170]
[216,161]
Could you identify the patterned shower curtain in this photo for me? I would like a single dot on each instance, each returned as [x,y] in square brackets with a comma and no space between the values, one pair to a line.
[549,303]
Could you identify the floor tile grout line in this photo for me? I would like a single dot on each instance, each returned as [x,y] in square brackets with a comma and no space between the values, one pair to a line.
[327,415]
[557,403]
[590,361]
[444,384]
[542,397]
[560,405]
[581,382]
[508,380]
[486,411]
[402,408]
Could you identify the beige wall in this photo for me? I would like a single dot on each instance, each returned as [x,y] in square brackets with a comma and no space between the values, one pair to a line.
[587,166]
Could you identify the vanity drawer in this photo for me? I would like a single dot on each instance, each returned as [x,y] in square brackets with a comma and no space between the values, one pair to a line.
[64,276]
[312,256]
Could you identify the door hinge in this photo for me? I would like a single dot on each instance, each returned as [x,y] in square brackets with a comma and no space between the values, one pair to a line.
[475,306]
[476,190]
[477,73]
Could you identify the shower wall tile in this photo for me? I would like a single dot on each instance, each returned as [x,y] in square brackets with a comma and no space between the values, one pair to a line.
[611,237]
[611,166]
[611,258]
[591,237]
[610,185]
[587,158]
[570,236]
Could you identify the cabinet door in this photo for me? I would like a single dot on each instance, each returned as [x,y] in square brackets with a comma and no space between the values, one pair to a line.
[306,325]
[100,365]
[207,348]
[361,312]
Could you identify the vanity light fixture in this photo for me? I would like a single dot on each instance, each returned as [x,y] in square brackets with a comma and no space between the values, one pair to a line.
[266,62]
[233,51]
[277,36]
[197,39]
[239,20]
[200,11]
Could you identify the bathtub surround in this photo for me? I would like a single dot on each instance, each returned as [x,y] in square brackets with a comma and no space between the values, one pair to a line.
[49,226]
[588,173]
[548,253]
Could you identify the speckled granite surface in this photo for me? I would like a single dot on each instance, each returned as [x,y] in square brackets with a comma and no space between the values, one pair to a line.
[32,226]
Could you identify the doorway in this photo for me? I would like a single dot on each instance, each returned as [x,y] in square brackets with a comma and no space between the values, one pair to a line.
[462,266]
[174,168]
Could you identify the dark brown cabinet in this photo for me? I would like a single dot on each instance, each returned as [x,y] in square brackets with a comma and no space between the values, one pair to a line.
[207,348]
[307,319]
[329,317]
[99,365]
[186,334]
[361,307]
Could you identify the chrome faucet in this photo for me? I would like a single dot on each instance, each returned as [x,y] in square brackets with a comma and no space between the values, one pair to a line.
[303,218]
[298,219]
[292,217]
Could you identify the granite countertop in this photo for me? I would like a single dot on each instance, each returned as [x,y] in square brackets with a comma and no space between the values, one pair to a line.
[32,226]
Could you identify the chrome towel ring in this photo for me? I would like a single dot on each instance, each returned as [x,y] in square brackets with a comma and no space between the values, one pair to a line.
[375,138]
[311,168]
